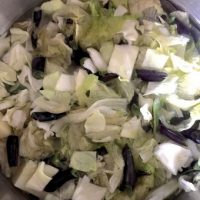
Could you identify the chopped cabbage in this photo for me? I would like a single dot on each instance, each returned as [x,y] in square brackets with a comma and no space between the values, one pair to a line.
[163,191]
[33,145]
[88,191]
[90,53]
[18,36]
[84,161]
[128,131]
[5,45]
[120,11]
[52,6]
[171,156]
[154,59]
[95,123]
[17,57]
[122,60]
[97,59]
[146,151]
[93,90]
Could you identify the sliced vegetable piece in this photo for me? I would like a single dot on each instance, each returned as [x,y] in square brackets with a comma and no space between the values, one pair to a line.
[146,114]
[122,60]
[52,6]
[131,129]
[50,81]
[171,156]
[37,16]
[80,76]
[120,11]
[129,31]
[93,90]
[167,86]
[38,67]
[110,133]
[107,77]
[188,85]
[129,177]
[151,75]
[106,50]
[41,177]
[180,64]
[95,123]
[111,104]
[65,83]
[5,129]
[146,151]
[97,59]
[17,57]
[84,161]
[5,45]
[88,191]
[154,59]
[34,39]
[23,174]
[18,36]
[163,191]
[12,146]
[89,66]
[46,116]
[173,135]
[182,103]
[157,104]
[58,180]
[186,184]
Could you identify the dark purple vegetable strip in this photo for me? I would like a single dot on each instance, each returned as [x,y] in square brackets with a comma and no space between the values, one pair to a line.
[37,16]
[151,75]
[193,135]
[173,135]
[34,39]
[101,151]
[58,180]
[12,146]
[133,105]
[38,65]
[107,77]
[46,116]
[129,176]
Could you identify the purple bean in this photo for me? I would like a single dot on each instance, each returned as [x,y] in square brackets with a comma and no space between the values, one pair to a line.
[173,135]
[37,16]
[58,180]
[151,75]
[129,176]
[38,65]
[12,146]
[46,116]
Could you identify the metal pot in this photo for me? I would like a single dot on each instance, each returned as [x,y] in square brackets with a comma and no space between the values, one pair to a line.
[18,8]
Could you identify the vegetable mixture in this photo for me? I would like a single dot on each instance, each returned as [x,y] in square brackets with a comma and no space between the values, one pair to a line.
[100,100]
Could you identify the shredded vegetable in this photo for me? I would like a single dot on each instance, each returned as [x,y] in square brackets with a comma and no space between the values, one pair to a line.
[100,100]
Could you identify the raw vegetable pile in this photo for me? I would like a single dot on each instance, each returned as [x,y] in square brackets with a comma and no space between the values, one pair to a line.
[100,100]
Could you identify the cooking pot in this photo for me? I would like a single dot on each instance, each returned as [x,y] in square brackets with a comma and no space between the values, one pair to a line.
[12,10]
